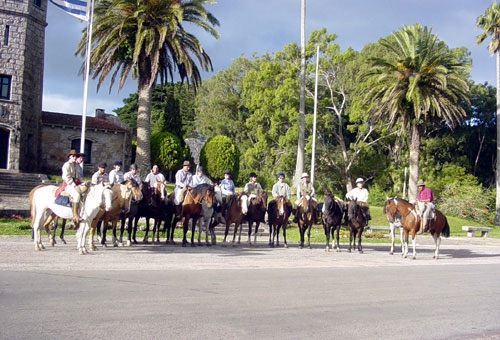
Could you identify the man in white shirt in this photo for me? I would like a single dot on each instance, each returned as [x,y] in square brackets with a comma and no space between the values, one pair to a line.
[360,194]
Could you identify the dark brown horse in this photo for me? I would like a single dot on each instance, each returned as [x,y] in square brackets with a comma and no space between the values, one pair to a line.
[257,208]
[192,208]
[238,207]
[306,214]
[278,211]
[332,215]
[410,221]
[168,219]
[357,221]
[151,206]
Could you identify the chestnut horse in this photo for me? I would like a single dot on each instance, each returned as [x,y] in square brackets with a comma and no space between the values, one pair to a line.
[331,217]
[192,208]
[357,221]
[410,221]
[306,213]
[237,209]
[257,208]
[278,211]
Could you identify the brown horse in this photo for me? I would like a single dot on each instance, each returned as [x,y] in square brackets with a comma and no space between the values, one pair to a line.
[151,206]
[237,209]
[357,221]
[394,222]
[332,215]
[410,221]
[257,208]
[278,211]
[192,208]
[306,213]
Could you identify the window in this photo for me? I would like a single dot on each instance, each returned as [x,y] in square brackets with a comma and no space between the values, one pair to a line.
[6,35]
[5,86]
[75,144]
[38,3]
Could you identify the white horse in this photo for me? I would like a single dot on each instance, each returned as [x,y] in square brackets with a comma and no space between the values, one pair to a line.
[43,205]
[205,221]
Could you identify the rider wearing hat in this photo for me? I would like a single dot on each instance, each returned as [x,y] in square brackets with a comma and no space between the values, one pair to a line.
[132,174]
[280,188]
[183,180]
[200,177]
[116,175]
[360,194]
[227,190]
[252,188]
[71,178]
[100,176]
[305,188]
[425,204]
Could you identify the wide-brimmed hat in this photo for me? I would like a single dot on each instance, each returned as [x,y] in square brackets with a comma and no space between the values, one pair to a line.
[280,174]
[186,163]
[73,152]
[118,163]
[227,172]
[252,174]
[304,174]
[102,165]
[359,180]
[420,183]
[133,166]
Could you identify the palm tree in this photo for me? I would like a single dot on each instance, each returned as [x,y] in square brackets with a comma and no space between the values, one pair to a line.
[149,39]
[489,22]
[418,81]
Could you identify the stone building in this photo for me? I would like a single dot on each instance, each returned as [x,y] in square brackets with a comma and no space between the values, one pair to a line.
[107,139]
[22,24]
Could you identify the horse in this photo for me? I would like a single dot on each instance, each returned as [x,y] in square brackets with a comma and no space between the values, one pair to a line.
[128,219]
[192,206]
[122,197]
[45,210]
[278,212]
[357,222]
[151,206]
[410,221]
[394,222]
[237,209]
[332,219]
[257,208]
[306,213]
[206,218]
[168,216]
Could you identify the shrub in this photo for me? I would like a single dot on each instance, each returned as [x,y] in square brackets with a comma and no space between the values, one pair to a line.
[218,154]
[166,150]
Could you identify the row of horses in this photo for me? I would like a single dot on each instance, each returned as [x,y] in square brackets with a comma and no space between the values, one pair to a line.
[126,203]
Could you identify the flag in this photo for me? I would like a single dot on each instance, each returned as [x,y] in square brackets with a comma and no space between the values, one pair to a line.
[77,8]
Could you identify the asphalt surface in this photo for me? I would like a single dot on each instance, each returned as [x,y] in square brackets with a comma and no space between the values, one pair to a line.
[170,292]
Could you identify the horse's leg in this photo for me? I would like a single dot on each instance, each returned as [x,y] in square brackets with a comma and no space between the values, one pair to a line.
[309,235]
[63,228]
[350,239]
[158,226]
[301,232]
[393,237]
[257,225]
[360,248]
[437,241]
[414,243]
[337,239]
[326,231]
[404,253]
[122,230]
[285,224]
[193,229]
[226,231]
[200,230]
[52,238]
[239,234]
[46,226]
[185,227]
[104,230]
[146,237]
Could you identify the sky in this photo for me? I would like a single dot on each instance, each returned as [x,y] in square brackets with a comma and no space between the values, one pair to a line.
[250,27]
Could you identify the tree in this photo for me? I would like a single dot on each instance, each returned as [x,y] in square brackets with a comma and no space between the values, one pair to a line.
[419,81]
[167,151]
[218,154]
[148,38]
[489,22]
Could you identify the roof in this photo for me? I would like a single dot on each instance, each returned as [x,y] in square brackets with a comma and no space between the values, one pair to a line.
[70,120]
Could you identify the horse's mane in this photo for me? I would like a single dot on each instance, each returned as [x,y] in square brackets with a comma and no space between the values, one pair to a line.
[200,189]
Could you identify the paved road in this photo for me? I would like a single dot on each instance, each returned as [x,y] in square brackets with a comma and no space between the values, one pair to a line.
[169,292]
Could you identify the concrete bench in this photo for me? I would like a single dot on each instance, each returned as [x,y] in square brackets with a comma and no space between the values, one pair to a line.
[471,229]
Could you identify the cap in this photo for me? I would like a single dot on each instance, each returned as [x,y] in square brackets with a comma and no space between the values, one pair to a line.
[227,172]
[280,174]
[186,163]
[73,152]
[359,180]
[200,168]
[133,166]
[304,174]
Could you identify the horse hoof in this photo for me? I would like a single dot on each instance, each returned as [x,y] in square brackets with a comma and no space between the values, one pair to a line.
[193,245]
[391,253]
[129,243]
[286,245]
[414,257]
[63,241]
[135,241]
[120,244]
[300,247]
[52,243]
[327,249]
[338,250]
[80,251]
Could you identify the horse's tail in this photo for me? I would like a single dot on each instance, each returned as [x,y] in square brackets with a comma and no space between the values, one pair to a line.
[446,229]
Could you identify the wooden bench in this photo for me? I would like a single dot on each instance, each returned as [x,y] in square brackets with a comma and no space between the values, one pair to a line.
[471,229]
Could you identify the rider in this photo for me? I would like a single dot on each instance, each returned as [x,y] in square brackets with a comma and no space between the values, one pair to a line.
[305,188]
[200,177]
[154,177]
[253,188]
[100,176]
[227,190]
[280,188]
[425,204]
[183,180]
[360,194]
[116,175]
[71,179]
[132,174]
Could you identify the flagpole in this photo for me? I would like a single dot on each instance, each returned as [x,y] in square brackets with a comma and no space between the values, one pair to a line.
[315,111]
[87,74]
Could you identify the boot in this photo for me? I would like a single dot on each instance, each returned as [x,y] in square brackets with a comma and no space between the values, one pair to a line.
[76,216]
[426,225]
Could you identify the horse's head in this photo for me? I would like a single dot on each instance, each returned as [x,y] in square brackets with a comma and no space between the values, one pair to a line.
[352,208]
[390,209]
[305,204]
[328,203]
[104,194]
[243,202]
[209,195]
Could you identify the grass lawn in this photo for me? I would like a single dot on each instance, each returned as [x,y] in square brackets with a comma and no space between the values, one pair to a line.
[22,227]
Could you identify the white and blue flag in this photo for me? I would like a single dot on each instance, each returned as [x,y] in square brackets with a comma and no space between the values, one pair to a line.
[77,8]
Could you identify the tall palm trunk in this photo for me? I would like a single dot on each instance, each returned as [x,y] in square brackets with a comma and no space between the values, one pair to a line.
[143,152]
[414,156]
[497,172]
